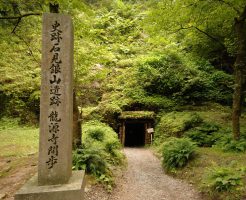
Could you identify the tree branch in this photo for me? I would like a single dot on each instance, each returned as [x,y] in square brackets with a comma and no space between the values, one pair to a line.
[16,25]
[20,16]
[210,36]
[201,31]
[28,46]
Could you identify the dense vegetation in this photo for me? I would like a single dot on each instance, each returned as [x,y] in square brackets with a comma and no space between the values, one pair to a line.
[183,59]
[196,144]
[99,153]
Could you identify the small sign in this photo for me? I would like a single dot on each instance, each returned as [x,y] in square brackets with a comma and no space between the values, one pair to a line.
[150,130]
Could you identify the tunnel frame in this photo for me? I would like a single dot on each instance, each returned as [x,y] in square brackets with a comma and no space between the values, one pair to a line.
[135,117]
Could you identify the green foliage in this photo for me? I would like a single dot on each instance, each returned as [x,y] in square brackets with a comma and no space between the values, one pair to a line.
[90,160]
[7,123]
[203,27]
[177,152]
[90,114]
[223,179]
[228,144]
[119,65]
[137,115]
[110,113]
[96,133]
[93,161]
[100,151]
[175,124]
[183,79]
[205,135]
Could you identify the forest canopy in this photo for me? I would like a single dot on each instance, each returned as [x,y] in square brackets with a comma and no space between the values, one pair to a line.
[130,55]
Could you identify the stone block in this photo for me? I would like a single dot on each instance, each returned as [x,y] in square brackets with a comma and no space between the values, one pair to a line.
[73,190]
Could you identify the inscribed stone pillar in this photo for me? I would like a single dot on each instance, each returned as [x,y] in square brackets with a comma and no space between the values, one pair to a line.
[56,103]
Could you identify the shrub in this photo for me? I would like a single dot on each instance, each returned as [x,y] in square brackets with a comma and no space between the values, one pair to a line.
[228,144]
[100,150]
[174,124]
[177,152]
[183,79]
[205,135]
[222,179]
[193,121]
[94,162]
[112,145]
[91,160]
[96,133]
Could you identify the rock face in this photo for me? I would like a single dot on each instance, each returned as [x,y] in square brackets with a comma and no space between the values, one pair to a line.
[56,109]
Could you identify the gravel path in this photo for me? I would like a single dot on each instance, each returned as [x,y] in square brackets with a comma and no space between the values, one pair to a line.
[144,179]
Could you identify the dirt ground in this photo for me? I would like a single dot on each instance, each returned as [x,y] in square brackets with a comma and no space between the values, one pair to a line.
[144,179]
[14,171]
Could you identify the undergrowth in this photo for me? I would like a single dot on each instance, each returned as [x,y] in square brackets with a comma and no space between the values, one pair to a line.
[219,181]
[177,152]
[99,153]
[218,167]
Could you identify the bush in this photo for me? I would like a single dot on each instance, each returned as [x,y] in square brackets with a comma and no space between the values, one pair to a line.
[222,179]
[174,124]
[228,144]
[99,152]
[96,133]
[91,160]
[205,135]
[193,121]
[94,162]
[177,152]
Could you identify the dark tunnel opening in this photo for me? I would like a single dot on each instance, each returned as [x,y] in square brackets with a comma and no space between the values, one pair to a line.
[134,134]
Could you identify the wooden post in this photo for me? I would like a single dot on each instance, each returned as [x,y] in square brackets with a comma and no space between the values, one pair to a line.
[123,133]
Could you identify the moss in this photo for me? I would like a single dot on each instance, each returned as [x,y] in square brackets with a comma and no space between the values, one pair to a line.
[176,123]
[137,115]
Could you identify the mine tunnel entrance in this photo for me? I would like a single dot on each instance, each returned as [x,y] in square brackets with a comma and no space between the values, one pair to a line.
[136,128]
[134,134]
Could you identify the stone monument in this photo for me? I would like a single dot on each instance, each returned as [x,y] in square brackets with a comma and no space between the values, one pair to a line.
[55,179]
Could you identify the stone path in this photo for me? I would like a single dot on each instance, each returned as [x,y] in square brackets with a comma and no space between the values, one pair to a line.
[144,179]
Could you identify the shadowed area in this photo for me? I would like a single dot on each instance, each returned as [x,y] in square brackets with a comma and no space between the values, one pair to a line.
[135,134]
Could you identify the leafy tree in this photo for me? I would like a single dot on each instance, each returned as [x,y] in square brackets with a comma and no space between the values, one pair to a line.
[208,28]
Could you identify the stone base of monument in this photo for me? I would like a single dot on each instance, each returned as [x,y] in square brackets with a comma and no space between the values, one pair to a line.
[73,190]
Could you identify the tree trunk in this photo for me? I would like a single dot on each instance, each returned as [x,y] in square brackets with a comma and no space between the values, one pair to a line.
[77,131]
[240,73]
[237,106]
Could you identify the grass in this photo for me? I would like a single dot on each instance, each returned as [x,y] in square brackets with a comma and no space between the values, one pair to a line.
[207,158]
[16,140]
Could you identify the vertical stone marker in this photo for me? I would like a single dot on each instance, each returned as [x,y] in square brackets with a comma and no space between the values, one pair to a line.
[56,111]
[55,180]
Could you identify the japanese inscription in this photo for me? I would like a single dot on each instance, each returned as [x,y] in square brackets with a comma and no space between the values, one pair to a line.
[55,95]
[56,100]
